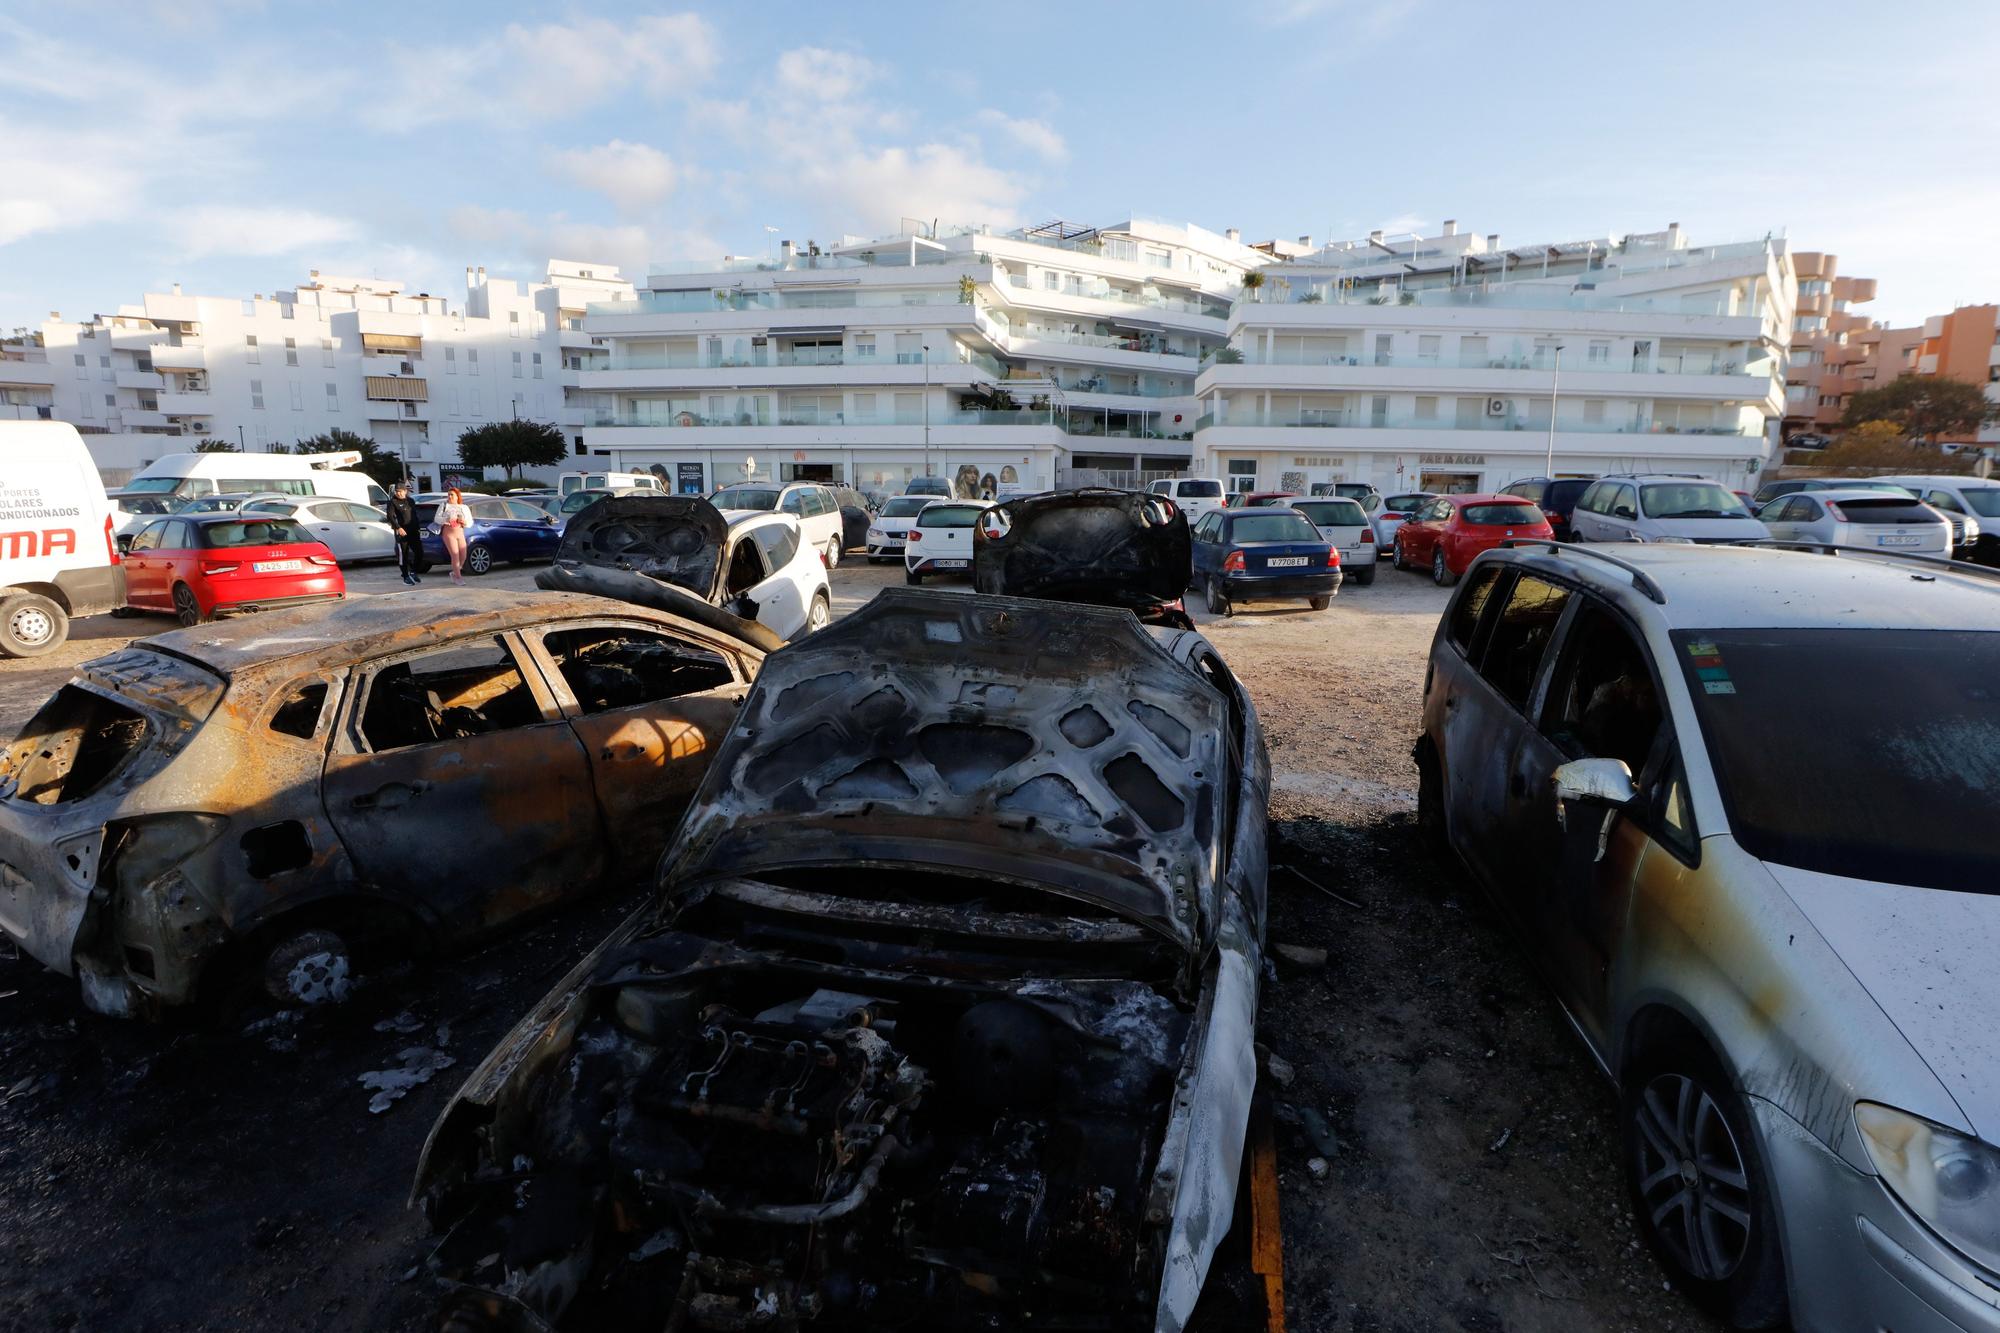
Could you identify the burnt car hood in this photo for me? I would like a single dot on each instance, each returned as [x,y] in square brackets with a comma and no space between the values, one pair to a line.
[1053,746]
[1098,546]
[677,539]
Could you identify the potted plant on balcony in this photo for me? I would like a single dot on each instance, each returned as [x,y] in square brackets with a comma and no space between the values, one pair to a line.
[1253,282]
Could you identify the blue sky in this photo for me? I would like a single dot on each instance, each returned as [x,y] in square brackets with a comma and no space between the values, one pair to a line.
[232,146]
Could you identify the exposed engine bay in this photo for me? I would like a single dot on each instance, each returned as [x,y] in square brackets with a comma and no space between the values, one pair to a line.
[783,1109]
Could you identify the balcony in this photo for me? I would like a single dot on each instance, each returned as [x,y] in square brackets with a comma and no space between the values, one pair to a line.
[398,388]
[725,300]
[135,418]
[27,372]
[139,379]
[137,340]
[185,403]
[180,356]
[1350,419]
[688,419]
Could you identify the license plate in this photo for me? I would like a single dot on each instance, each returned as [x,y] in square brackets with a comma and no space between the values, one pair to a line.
[950,564]
[1278,561]
[275,566]
[1898,541]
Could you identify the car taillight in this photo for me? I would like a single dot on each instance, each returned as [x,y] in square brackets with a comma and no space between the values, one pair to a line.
[322,560]
[1839,514]
[208,568]
[1333,557]
[1233,563]
[1368,536]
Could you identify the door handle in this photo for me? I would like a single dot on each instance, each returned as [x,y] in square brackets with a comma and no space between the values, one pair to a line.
[391,796]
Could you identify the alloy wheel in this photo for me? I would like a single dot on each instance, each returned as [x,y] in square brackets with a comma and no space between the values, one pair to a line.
[478,559]
[1693,1183]
[186,608]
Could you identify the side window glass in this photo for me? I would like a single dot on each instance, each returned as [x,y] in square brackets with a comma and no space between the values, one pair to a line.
[609,667]
[1805,511]
[793,503]
[1521,636]
[367,514]
[780,543]
[1602,703]
[1672,816]
[466,690]
[1625,503]
[147,538]
[1945,502]
[1587,502]
[179,536]
[746,568]
[299,714]
[1465,612]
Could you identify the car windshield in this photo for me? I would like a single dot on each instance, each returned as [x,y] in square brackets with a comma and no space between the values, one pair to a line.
[904,506]
[1332,513]
[1501,515]
[1690,499]
[576,500]
[1403,504]
[144,504]
[745,497]
[253,532]
[1198,490]
[1281,527]
[1982,500]
[1900,789]
[948,516]
[153,485]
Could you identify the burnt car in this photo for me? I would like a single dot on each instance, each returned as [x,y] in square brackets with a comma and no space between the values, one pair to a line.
[1098,546]
[942,1018]
[285,797]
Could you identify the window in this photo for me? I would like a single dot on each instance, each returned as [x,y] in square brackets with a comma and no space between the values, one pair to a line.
[1602,702]
[1472,351]
[779,542]
[538,365]
[613,667]
[299,714]
[1051,280]
[1428,346]
[465,690]
[291,351]
[332,397]
[517,365]
[326,351]
[148,537]
[746,568]
[451,360]
[1593,411]
[864,346]
[1383,343]
[104,370]
[250,352]
[472,360]
[1465,612]
[298,396]
[1599,355]
[864,407]
[514,327]
[477,407]
[83,364]
[1521,636]
[1242,475]
[111,400]
[257,395]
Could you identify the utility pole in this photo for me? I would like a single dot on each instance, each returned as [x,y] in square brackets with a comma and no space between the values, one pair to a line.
[1555,379]
[242,446]
[927,409]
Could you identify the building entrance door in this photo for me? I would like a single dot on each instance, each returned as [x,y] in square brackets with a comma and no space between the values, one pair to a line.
[1448,483]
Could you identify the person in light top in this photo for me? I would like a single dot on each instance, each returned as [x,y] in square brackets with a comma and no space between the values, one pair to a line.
[453,520]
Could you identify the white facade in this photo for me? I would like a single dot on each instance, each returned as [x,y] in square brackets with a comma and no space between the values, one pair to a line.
[358,354]
[1431,363]
[826,366]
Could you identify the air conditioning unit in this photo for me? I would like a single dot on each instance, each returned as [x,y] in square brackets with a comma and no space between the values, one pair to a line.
[1496,407]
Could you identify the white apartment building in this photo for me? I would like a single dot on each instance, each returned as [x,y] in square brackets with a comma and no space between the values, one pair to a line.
[1431,363]
[360,354]
[1019,361]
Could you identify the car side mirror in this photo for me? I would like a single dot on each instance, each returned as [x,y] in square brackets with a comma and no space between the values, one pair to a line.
[1603,783]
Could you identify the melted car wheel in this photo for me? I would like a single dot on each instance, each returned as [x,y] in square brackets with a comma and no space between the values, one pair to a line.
[310,968]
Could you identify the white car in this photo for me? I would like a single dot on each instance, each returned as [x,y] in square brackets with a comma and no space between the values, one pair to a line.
[59,560]
[1870,519]
[1970,504]
[1342,522]
[1195,495]
[889,530]
[814,506]
[352,531]
[941,541]
[774,576]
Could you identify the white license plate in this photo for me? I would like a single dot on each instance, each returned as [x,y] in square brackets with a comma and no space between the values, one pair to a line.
[951,564]
[1278,561]
[1898,541]
[275,566]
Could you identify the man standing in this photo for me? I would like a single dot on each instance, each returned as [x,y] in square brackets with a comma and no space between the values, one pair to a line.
[402,514]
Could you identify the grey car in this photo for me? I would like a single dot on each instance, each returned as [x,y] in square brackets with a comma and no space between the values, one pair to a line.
[1662,508]
[1737,802]
[1859,518]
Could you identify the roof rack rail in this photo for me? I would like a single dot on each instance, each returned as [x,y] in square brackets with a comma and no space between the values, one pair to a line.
[1641,580]
[1928,561]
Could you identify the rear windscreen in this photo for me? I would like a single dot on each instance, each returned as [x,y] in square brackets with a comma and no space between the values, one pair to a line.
[1499,515]
[904,506]
[1403,504]
[1332,513]
[1282,527]
[252,532]
[948,516]
[1198,490]
[1888,509]
[70,747]
[1564,494]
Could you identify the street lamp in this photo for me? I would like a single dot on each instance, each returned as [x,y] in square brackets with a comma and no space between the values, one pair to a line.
[927,409]
[1555,379]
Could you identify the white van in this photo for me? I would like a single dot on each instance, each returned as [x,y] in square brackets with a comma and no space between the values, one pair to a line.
[1195,495]
[608,481]
[189,475]
[57,556]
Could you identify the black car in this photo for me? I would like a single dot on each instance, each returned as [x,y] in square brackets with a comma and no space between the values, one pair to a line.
[1098,546]
[1555,497]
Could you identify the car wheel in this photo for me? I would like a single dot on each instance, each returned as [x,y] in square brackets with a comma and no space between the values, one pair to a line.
[911,576]
[479,558]
[1430,804]
[820,614]
[833,553]
[1218,601]
[1319,603]
[31,624]
[1440,571]
[1365,576]
[311,968]
[1396,560]
[1698,1184]
[422,567]
[187,610]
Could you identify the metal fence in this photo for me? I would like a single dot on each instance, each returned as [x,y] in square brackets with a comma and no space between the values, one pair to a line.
[1124,479]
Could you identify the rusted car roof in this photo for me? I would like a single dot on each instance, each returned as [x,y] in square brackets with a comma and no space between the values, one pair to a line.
[338,633]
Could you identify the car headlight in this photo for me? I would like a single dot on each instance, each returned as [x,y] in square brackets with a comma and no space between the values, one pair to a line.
[1949,1180]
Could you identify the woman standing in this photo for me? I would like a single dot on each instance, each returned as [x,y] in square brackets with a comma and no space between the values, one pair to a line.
[453,518]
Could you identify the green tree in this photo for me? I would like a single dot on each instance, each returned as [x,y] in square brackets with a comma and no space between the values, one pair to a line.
[1879,446]
[1924,407]
[382,467]
[214,446]
[512,445]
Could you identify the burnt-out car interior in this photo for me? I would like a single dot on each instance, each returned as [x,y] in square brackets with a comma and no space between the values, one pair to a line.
[1096,546]
[941,1018]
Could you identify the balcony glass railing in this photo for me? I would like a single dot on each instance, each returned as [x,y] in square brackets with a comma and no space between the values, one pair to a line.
[689,418]
[1501,296]
[1348,419]
[980,361]
[1109,342]
[1661,365]
[1113,296]
[729,301]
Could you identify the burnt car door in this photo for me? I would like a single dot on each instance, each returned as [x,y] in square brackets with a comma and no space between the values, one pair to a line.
[649,708]
[460,789]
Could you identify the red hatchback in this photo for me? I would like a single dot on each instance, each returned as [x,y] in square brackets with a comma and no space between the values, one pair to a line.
[203,565]
[1447,533]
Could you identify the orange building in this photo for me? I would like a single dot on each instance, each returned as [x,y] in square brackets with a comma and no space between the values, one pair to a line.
[1965,345]
[1831,355]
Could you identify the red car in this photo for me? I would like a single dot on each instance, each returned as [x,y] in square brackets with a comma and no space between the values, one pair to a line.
[1447,533]
[1260,499]
[203,565]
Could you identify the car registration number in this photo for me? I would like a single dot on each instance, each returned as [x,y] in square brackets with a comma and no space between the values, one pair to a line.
[1280,560]
[275,566]
[1898,541]
[951,564]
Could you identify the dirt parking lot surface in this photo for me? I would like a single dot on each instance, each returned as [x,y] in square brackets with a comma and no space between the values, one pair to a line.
[188,1177]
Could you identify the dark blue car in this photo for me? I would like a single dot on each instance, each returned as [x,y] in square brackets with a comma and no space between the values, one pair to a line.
[1263,555]
[502,530]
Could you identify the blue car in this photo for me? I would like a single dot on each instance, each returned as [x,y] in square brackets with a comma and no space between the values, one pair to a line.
[502,530]
[1263,555]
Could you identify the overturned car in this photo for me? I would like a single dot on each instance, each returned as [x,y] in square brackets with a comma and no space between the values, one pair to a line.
[942,1018]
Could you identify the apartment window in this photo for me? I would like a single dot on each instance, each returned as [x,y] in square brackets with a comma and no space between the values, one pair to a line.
[1242,475]
[864,346]
[332,397]
[1796,393]
[1427,408]
[1600,354]
[477,409]
[89,408]
[326,351]
[864,407]
[1593,411]
[1472,352]
[538,365]
[250,352]
[472,360]
[111,400]
[298,397]
[250,308]
[517,365]
[1829,400]
[256,395]
[451,397]
[82,366]
[1051,280]
[1428,346]
[451,360]
[291,351]
[104,371]
[1159,258]
[909,408]
[513,323]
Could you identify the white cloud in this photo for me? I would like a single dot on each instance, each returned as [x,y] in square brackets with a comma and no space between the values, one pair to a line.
[633,176]
[534,240]
[871,188]
[1037,136]
[1403,224]
[220,229]
[553,69]
[818,74]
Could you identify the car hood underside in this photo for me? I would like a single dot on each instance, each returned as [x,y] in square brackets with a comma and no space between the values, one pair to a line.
[1104,547]
[676,539]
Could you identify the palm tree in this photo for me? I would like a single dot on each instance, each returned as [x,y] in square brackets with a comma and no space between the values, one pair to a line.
[1252,281]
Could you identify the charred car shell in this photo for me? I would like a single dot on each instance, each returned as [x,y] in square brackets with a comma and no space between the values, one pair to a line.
[943,1016]
[1097,546]
[270,793]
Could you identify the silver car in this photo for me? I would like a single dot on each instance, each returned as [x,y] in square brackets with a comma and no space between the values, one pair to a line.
[1860,518]
[352,531]
[1737,803]
[1342,522]
[1662,508]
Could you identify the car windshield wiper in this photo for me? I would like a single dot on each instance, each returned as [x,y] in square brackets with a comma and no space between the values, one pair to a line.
[1701,513]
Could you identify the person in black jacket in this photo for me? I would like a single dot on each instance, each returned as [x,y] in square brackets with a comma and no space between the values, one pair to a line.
[402,513]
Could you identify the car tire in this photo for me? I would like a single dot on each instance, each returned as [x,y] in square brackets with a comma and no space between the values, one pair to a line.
[1365,577]
[820,614]
[31,624]
[309,968]
[479,558]
[1440,571]
[1430,804]
[187,607]
[422,567]
[1396,560]
[911,577]
[832,553]
[1218,601]
[1319,603]
[1678,1103]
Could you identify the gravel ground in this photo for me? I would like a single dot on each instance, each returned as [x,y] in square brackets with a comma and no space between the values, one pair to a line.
[185,1178]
